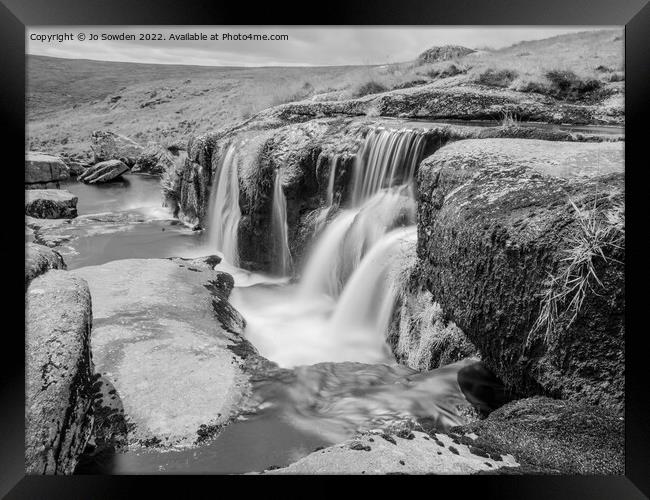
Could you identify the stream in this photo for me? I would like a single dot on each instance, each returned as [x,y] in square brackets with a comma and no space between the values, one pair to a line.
[326,330]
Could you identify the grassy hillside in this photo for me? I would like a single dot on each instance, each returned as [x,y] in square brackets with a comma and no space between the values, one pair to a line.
[69,98]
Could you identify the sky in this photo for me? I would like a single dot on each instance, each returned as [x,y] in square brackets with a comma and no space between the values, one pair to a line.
[313,46]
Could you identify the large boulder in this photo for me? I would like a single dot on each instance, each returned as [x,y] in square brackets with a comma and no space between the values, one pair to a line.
[443,53]
[50,204]
[58,372]
[157,339]
[551,435]
[521,242]
[40,259]
[44,171]
[108,145]
[103,172]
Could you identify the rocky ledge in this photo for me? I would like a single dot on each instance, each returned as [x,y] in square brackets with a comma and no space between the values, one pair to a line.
[58,415]
[303,151]
[44,171]
[50,204]
[522,244]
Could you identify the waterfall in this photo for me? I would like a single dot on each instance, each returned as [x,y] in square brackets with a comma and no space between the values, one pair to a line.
[280,227]
[330,184]
[367,302]
[347,239]
[387,158]
[224,213]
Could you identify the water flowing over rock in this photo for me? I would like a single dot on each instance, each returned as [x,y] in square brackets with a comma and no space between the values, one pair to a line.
[44,171]
[505,234]
[40,259]
[280,227]
[50,204]
[367,302]
[103,172]
[388,158]
[58,362]
[224,212]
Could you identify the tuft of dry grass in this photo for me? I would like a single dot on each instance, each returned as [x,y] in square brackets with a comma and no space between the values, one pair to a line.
[597,232]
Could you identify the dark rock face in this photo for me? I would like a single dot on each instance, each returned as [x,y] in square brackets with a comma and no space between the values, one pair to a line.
[443,53]
[111,146]
[505,229]
[58,372]
[44,171]
[103,172]
[552,436]
[50,204]
[39,259]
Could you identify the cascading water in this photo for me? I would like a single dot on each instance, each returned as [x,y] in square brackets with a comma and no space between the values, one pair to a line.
[387,158]
[347,239]
[280,227]
[367,302]
[334,163]
[224,213]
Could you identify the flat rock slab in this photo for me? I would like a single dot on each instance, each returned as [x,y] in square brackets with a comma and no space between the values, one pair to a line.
[42,168]
[58,372]
[39,259]
[156,338]
[50,203]
[373,454]
[103,172]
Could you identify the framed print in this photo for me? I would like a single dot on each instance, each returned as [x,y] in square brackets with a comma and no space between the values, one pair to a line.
[393,243]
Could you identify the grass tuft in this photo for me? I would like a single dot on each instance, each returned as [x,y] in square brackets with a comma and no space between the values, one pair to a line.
[597,233]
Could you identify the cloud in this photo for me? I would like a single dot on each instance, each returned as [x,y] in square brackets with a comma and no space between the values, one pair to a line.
[317,46]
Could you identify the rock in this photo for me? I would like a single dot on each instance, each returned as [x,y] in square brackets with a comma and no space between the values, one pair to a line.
[157,340]
[39,259]
[156,159]
[111,146]
[558,436]
[499,222]
[43,170]
[58,372]
[50,204]
[417,455]
[297,139]
[443,53]
[110,429]
[103,172]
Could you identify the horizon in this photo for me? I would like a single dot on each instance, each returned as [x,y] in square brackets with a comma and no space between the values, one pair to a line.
[324,46]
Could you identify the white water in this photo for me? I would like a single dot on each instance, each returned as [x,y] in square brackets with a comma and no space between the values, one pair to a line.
[280,227]
[347,239]
[334,163]
[387,158]
[224,213]
[341,308]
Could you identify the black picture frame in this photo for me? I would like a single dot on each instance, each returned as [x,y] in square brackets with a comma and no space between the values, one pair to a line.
[15,15]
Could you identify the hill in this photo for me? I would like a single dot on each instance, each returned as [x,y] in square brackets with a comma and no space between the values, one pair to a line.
[69,98]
